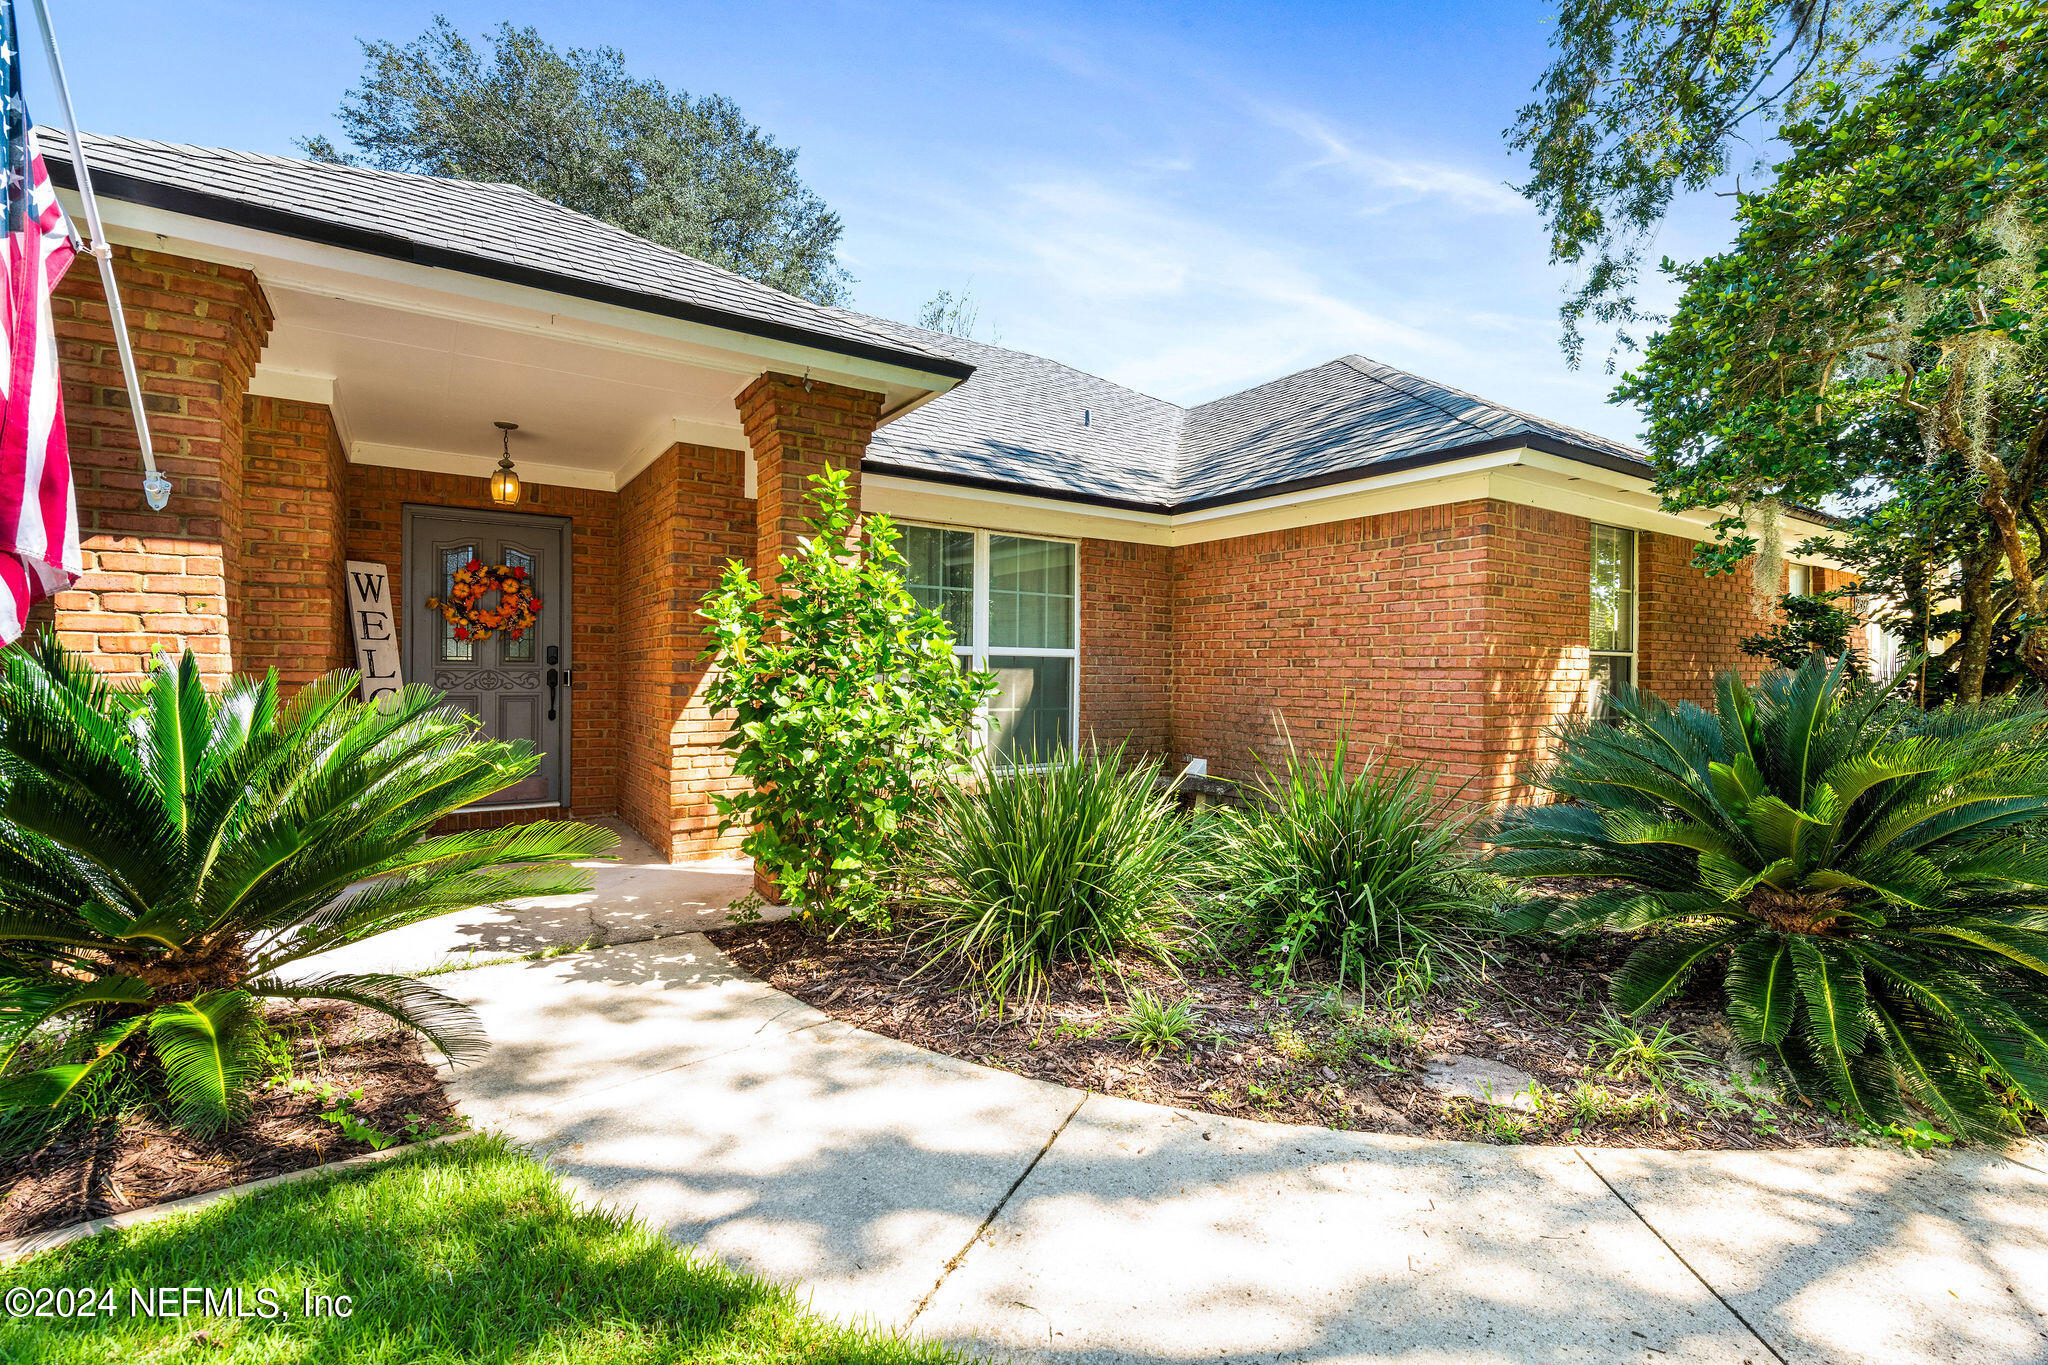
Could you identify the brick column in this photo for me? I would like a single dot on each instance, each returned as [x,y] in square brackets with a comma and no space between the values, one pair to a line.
[158,579]
[680,520]
[292,606]
[797,428]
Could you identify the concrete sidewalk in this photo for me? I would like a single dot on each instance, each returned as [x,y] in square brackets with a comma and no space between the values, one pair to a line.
[1029,1222]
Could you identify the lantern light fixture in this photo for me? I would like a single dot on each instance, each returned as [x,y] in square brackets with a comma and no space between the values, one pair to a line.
[505,483]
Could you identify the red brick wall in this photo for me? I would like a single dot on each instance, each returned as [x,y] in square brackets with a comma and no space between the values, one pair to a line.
[1126,644]
[157,580]
[376,498]
[292,613]
[1371,627]
[1537,580]
[1691,626]
[680,520]
[1454,636]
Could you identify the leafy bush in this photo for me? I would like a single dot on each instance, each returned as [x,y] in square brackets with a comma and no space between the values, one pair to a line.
[1074,859]
[846,695]
[166,853]
[1813,624]
[1357,864]
[1868,879]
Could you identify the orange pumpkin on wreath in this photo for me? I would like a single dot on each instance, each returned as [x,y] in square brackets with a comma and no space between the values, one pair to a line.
[464,607]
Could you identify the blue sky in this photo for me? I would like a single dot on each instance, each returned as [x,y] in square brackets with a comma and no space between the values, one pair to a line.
[1186,198]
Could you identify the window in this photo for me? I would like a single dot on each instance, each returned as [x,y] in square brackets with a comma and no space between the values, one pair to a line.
[1798,580]
[1011,601]
[1613,628]
[453,558]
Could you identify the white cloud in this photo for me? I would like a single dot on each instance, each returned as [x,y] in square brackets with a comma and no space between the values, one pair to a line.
[1153,280]
[1393,180]
[1138,289]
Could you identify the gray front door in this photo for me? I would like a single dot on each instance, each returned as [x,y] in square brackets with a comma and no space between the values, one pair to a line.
[504,683]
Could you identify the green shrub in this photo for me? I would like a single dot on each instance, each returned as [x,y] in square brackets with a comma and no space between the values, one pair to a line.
[1867,879]
[166,853]
[1654,1057]
[1074,859]
[1152,1026]
[1361,865]
[845,696]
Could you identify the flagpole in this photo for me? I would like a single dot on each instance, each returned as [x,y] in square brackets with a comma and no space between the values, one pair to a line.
[155,487]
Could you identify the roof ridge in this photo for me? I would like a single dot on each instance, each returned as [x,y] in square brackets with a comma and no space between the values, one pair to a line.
[950,337]
[1353,360]
[1564,430]
[279,158]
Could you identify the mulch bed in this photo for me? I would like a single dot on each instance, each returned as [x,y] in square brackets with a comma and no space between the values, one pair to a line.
[142,1159]
[1287,1056]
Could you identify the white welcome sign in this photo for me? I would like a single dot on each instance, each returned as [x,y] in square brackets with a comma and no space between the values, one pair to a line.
[373,620]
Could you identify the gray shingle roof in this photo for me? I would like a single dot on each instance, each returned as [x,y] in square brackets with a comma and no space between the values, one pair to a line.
[497,230]
[1021,421]
[1352,416]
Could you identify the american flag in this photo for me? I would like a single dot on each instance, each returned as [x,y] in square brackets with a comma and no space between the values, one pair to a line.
[39,552]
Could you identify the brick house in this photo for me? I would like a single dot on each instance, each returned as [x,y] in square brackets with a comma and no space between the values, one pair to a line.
[325,351]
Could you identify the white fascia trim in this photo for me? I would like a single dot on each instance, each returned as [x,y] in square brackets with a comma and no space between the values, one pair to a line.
[989,510]
[678,431]
[298,386]
[315,267]
[1556,484]
[1530,478]
[292,385]
[478,466]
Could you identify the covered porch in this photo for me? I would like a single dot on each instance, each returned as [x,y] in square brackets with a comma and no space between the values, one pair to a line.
[318,404]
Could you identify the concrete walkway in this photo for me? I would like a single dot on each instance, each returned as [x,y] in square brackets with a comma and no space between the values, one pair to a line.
[1029,1222]
[638,895]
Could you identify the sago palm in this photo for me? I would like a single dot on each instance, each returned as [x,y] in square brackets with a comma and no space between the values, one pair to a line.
[1872,880]
[166,854]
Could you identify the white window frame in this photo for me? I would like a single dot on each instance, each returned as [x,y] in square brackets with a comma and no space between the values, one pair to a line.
[1635,609]
[978,649]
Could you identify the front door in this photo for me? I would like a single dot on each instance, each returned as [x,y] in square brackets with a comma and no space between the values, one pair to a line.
[504,683]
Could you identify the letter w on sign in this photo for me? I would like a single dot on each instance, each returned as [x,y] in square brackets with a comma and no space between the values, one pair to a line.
[374,623]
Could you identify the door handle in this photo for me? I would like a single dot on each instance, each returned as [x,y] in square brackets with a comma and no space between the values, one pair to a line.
[554,679]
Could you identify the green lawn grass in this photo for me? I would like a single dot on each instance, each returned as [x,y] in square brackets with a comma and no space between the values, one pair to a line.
[461,1252]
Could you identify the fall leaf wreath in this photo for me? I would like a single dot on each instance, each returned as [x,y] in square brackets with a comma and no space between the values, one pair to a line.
[464,607]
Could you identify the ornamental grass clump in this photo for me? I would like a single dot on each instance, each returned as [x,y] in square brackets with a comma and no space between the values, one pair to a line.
[168,853]
[1870,882]
[1360,865]
[1074,859]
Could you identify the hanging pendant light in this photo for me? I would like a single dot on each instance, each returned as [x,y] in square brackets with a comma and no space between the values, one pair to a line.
[505,483]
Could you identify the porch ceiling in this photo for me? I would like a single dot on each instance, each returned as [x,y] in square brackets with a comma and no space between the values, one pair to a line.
[419,360]
[422,390]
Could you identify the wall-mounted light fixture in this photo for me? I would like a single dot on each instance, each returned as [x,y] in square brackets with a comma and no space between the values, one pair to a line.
[505,483]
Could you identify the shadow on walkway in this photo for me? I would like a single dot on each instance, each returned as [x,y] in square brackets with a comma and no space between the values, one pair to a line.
[1028,1220]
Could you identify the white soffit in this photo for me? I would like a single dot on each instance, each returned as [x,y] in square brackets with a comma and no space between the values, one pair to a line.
[421,381]
[1526,477]
[478,466]
[429,359]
